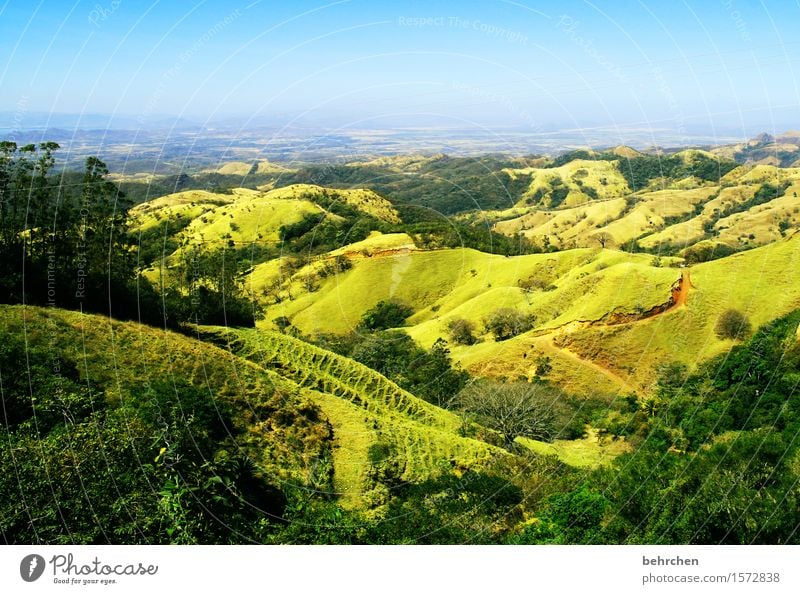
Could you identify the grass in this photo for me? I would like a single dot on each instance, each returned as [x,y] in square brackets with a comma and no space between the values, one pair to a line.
[126,356]
[588,285]
[616,219]
[676,217]
[294,401]
[245,216]
[602,177]
[365,201]
[368,412]
[590,452]
[183,205]
[377,242]
[255,218]
[763,283]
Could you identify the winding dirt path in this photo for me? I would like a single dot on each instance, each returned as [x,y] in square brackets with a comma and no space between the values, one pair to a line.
[680,294]
[678,299]
[548,344]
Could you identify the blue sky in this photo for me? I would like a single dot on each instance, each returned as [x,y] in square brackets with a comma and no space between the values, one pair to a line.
[529,65]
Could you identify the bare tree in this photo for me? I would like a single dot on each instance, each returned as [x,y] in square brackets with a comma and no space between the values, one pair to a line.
[604,239]
[514,409]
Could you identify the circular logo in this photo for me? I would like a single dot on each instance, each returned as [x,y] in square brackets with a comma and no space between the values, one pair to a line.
[31,567]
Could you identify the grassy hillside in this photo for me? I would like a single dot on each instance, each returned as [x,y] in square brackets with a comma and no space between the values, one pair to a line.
[570,184]
[747,207]
[763,283]
[303,416]
[559,290]
[383,436]
[246,216]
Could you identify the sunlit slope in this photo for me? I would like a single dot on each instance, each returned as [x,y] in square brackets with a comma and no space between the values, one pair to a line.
[751,206]
[243,168]
[365,201]
[560,290]
[763,283]
[574,183]
[281,432]
[175,208]
[245,216]
[382,434]
[609,222]
[443,284]
[296,404]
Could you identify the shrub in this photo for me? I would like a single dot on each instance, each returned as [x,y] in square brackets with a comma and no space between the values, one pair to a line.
[507,322]
[733,324]
[462,331]
[386,314]
[531,284]
[282,322]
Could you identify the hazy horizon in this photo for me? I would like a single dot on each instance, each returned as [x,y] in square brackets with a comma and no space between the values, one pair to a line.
[695,69]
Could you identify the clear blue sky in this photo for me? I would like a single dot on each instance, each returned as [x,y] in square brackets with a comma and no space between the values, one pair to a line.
[497,63]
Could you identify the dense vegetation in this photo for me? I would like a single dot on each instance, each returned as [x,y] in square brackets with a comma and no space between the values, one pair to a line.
[441,186]
[197,444]
[69,245]
[639,171]
[717,460]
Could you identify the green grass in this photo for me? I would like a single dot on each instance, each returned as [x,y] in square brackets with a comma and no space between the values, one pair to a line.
[763,283]
[589,452]
[603,179]
[126,356]
[368,412]
[375,433]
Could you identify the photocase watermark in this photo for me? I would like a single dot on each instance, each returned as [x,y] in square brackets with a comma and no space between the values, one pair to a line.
[570,27]
[456,22]
[100,13]
[31,567]
[738,20]
[69,571]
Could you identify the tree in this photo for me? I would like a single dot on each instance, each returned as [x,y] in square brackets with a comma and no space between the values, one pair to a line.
[386,314]
[462,331]
[282,322]
[544,365]
[427,374]
[514,409]
[604,239]
[732,324]
[508,322]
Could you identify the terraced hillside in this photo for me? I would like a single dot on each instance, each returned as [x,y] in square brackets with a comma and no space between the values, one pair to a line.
[125,357]
[383,436]
[301,409]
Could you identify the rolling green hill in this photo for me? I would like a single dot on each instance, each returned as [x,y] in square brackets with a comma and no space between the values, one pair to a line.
[297,406]
[630,296]
[383,435]
[747,207]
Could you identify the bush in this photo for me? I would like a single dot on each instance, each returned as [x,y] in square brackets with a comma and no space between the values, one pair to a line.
[733,324]
[386,314]
[531,284]
[462,331]
[515,409]
[507,322]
